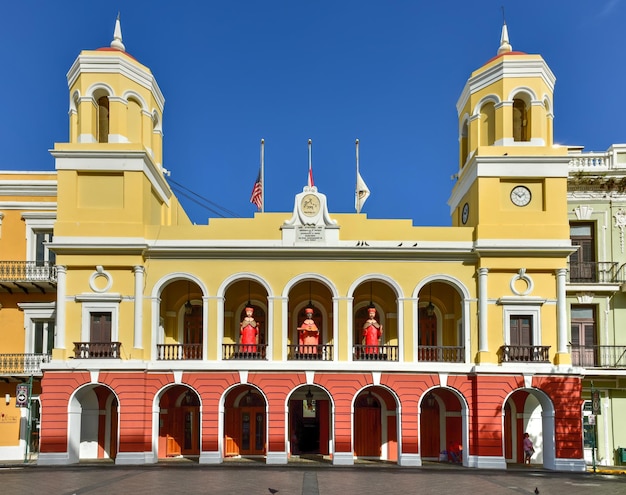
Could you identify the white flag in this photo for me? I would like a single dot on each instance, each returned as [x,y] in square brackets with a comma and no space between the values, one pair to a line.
[362,193]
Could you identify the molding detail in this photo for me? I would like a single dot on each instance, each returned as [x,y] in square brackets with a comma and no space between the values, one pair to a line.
[521,275]
[620,223]
[583,212]
[585,297]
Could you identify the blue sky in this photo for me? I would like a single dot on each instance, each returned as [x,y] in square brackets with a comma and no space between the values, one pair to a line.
[386,72]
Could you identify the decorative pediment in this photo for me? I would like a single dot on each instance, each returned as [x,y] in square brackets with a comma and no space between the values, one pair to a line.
[311,222]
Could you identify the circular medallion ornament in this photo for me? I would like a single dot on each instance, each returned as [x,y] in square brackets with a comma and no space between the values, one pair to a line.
[465,213]
[310,205]
[520,196]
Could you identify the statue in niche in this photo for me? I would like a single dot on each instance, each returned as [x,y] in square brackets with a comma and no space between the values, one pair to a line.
[308,334]
[372,331]
[249,331]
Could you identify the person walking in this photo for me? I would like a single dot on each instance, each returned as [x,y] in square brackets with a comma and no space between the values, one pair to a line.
[529,448]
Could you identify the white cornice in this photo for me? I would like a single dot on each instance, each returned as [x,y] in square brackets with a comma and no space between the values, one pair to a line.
[27,205]
[114,160]
[509,67]
[110,64]
[19,187]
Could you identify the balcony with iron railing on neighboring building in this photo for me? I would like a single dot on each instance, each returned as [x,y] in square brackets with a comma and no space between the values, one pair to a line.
[595,272]
[97,350]
[599,356]
[27,276]
[524,354]
[22,364]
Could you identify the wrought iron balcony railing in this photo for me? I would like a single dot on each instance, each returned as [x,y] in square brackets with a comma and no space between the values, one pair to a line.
[599,356]
[441,354]
[595,272]
[22,364]
[97,350]
[179,352]
[375,352]
[524,354]
[244,351]
[27,271]
[320,352]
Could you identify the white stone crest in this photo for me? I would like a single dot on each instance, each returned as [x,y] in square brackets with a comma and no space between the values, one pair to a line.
[620,222]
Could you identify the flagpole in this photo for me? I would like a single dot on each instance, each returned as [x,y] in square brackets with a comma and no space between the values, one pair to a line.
[310,177]
[262,175]
[356,189]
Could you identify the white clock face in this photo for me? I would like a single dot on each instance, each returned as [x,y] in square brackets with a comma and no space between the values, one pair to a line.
[520,196]
[465,213]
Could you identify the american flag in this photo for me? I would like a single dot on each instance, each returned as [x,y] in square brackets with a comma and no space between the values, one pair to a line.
[257,192]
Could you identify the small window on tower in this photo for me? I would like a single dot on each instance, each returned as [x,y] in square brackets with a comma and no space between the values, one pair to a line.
[103,119]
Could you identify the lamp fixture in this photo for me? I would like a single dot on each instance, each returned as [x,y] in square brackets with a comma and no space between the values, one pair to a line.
[248,398]
[309,399]
[430,309]
[430,401]
[369,398]
[188,305]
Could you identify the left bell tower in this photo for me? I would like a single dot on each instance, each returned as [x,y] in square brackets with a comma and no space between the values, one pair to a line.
[111,169]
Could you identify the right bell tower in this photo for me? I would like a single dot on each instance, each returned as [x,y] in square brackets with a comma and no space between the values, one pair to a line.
[510,175]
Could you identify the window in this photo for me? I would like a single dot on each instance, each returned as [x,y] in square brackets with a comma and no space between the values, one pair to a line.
[487,124]
[44,336]
[103,119]
[520,121]
[100,327]
[521,330]
[582,263]
[42,254]
[583,336]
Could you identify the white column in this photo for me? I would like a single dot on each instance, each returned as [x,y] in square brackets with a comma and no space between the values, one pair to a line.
[561,310]
[482,310]
[61,295]
[139,273]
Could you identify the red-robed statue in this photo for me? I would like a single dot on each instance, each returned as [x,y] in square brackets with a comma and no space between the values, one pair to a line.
[308,334]
[249,331]
[372,331]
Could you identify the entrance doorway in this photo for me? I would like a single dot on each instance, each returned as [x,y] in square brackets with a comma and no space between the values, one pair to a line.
[244,424]
[180,423]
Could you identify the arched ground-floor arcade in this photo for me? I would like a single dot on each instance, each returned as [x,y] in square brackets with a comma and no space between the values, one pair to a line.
[407,418]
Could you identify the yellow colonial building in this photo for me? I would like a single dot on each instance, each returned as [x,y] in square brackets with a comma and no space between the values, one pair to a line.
[293,333]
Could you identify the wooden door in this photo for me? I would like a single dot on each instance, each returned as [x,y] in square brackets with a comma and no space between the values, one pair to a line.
[430,431]
[252,420]
[367,432]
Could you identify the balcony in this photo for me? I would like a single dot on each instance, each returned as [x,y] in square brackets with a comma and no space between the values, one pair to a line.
[595,272]
[440,354]
[179,352]
[22,364]
[246,352]
[319,352]
[27,276]
[524,354]
[97,350]
[599,356]
[375,352]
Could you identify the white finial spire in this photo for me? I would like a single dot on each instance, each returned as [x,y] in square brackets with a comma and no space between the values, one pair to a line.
[505,46]
[117,35]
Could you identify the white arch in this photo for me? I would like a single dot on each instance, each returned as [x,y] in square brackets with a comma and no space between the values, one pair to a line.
[156,121]
[74,99]
[133,95]
[100,86]
[289,397]
[491,98]
[156,409]
[309,276]
[464,417]
[372,277]
[75,412]
[155,296]
[548,427]
[462,122]
[383,404]
[529,94]
[236,277]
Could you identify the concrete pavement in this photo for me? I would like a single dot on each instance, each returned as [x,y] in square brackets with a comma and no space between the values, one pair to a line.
[297,478]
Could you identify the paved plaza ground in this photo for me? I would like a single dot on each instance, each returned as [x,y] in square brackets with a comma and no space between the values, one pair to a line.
[297,479]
